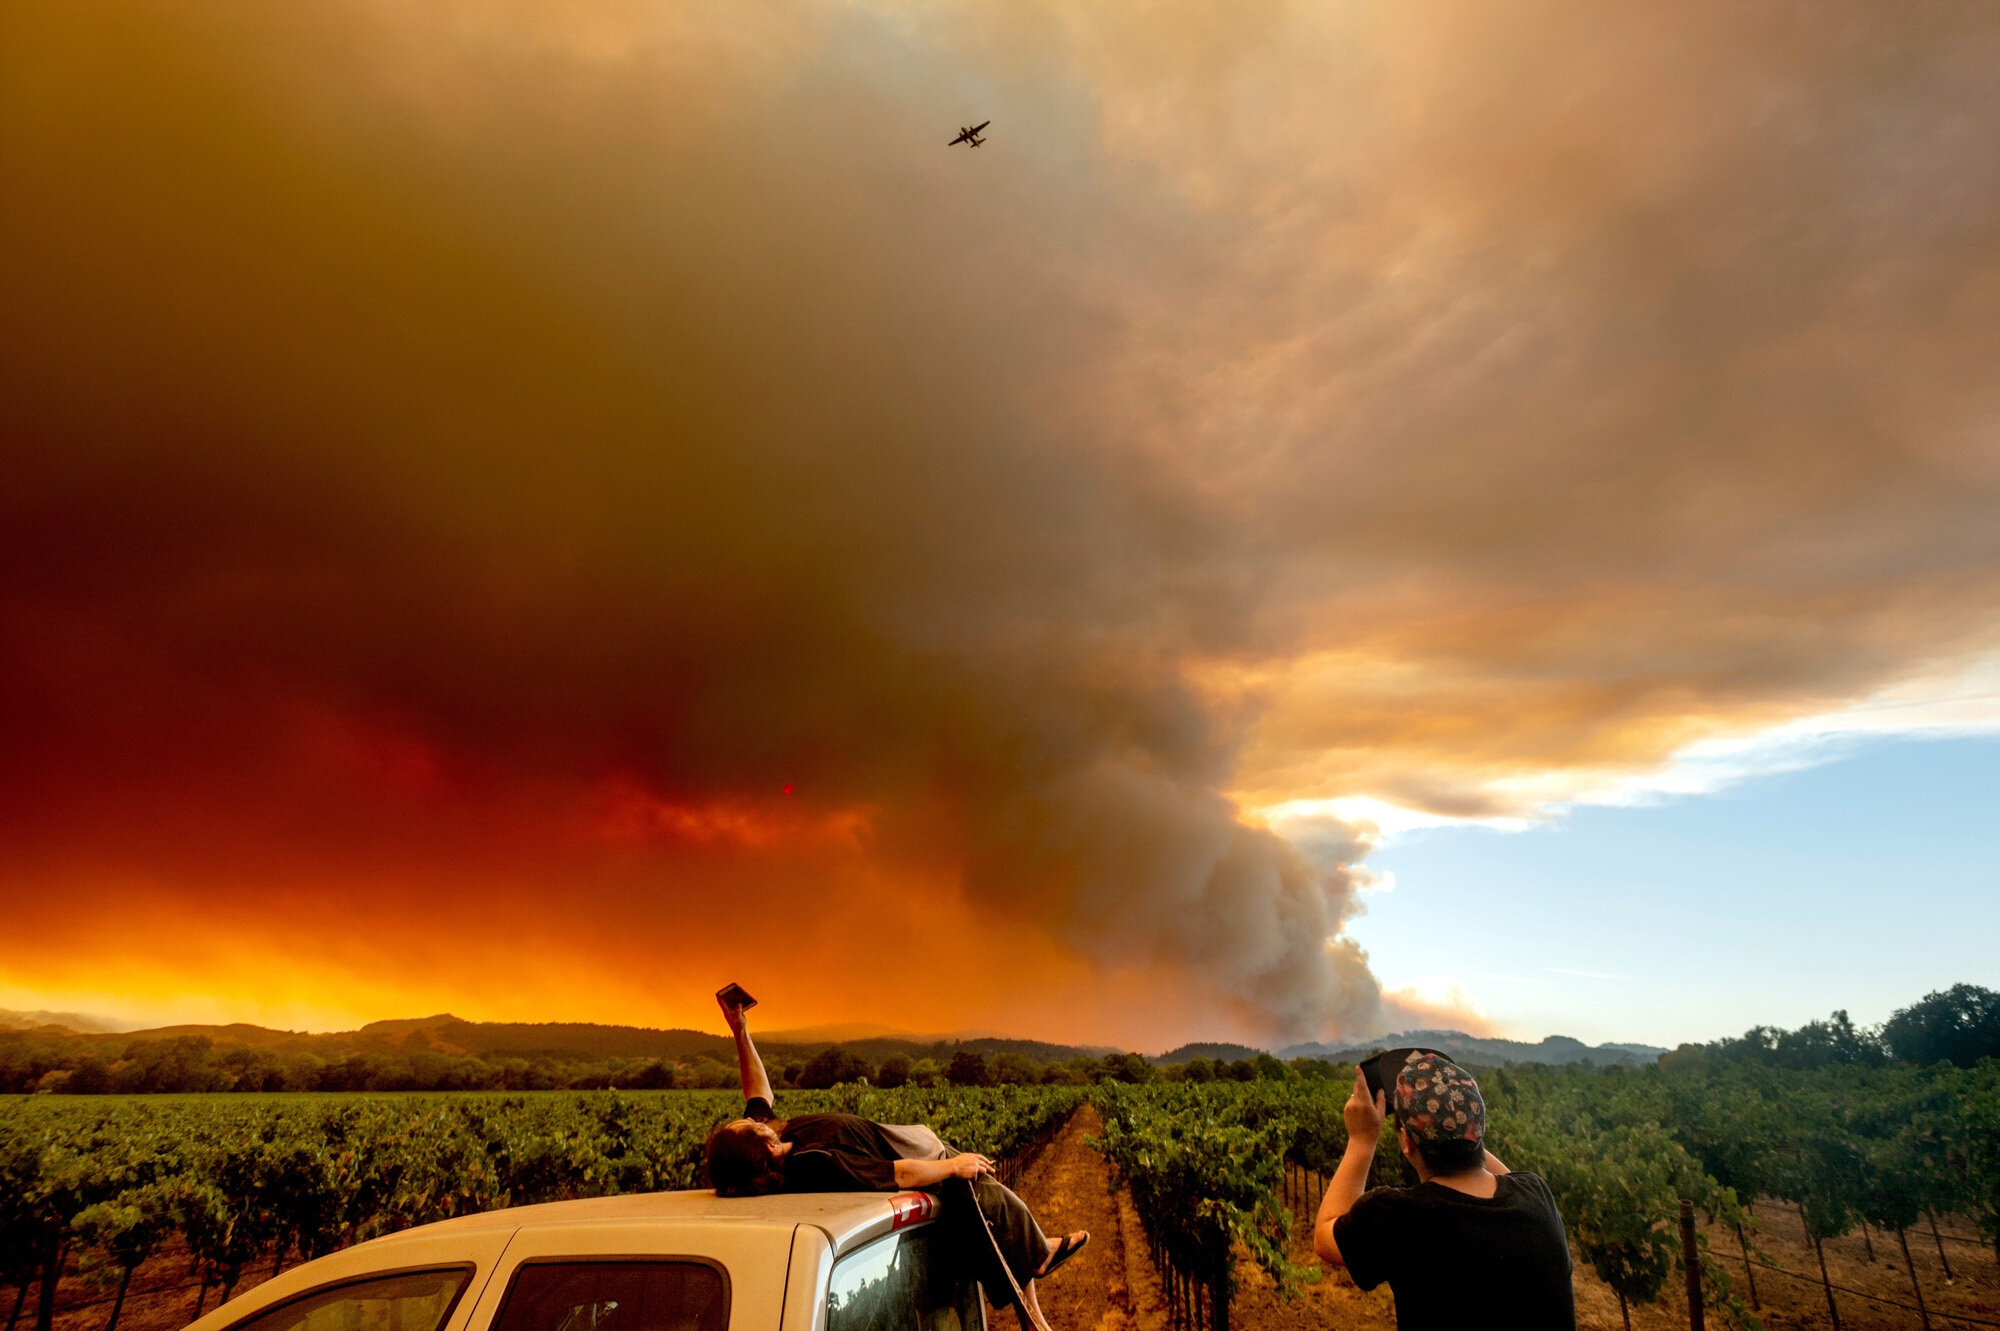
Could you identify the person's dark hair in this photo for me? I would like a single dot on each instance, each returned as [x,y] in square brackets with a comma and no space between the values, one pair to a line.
[739,1162]
[1451,1157]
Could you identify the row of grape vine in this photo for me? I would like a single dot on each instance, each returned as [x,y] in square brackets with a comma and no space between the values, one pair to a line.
[1217,1168]
[103,1183]
[1213,1169]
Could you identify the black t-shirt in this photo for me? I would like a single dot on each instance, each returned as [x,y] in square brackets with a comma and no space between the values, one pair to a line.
[1457,1261]
[831,1152]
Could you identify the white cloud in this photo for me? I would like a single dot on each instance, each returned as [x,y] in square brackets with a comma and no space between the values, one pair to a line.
[1936,706]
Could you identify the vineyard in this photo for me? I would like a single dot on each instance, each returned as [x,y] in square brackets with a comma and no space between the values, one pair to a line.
[1218,1168]
[103,1184]
[1220,1175]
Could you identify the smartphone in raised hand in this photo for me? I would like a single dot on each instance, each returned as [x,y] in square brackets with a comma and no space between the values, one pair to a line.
[1380,1072]
[735,997]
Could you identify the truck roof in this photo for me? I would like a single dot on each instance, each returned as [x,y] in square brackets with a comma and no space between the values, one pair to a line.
[847,1218]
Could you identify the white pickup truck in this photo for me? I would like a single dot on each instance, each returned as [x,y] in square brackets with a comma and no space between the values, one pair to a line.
[671,1261]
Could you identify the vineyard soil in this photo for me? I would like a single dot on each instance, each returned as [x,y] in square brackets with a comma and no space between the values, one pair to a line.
[1108,1286]
[1791,1302]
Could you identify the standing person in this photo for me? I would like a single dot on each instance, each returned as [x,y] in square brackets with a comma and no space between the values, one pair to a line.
[1473,1242]
[762,1153]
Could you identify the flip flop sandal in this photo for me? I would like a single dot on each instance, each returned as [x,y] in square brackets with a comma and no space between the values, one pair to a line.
[1065,1249]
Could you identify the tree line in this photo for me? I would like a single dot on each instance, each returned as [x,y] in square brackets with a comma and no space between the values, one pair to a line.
[38,1061]
[1959,1026]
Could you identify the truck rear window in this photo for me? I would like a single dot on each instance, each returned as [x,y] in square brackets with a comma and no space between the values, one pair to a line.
[910,1281]
[600,1295]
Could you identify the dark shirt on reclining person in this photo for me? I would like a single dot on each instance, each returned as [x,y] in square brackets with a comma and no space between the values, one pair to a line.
[1457,1261]
[831,1152]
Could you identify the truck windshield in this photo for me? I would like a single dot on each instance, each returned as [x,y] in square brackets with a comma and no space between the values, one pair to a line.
[904,1282]
[407,1301]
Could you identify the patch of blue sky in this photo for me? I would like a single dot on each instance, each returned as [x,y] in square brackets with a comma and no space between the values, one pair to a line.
[1861,882]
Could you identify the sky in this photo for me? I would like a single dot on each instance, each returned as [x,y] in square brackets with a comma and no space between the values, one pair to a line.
[1852,885]
[536,510]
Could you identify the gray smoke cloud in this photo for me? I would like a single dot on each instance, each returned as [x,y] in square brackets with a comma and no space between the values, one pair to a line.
[1286,402]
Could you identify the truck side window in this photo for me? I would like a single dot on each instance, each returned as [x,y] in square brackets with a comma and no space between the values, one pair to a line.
[409,1301]
[602,1295]
[904,1282]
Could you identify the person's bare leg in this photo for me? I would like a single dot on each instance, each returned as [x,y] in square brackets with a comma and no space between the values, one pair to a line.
[1032,1308]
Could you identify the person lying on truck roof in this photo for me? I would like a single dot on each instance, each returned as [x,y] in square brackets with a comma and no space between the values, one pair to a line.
[1473,1242]
[762,1153]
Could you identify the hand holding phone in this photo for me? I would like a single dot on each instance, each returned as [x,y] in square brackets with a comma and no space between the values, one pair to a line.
[1364,1111]
[1380,1072]
[735,1000]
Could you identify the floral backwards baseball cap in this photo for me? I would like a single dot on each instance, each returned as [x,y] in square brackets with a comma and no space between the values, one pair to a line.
[1438,1101]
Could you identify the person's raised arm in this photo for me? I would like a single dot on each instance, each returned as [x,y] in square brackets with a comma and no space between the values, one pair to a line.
[1364,1114]
[756,1082]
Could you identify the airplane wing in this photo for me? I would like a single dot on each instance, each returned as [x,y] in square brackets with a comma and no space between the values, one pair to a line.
[981,125]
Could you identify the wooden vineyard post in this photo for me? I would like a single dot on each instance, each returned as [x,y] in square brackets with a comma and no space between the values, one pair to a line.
[45,1296]
[1833,1310]
[1939,1240]
[1748,1269]
[1915,1288]
[1218,1293]
[1825,1280]
[1691,1261]
[124,1283]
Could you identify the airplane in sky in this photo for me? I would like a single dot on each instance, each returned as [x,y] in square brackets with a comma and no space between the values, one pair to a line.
[970,136]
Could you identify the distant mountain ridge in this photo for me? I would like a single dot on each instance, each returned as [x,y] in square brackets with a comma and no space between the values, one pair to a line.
[1554,1050]
[444,1033]
[1218,1049]
[84,1022]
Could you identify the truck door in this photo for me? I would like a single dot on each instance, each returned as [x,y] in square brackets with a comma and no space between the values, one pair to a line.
[911,1280]
[638,1276]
